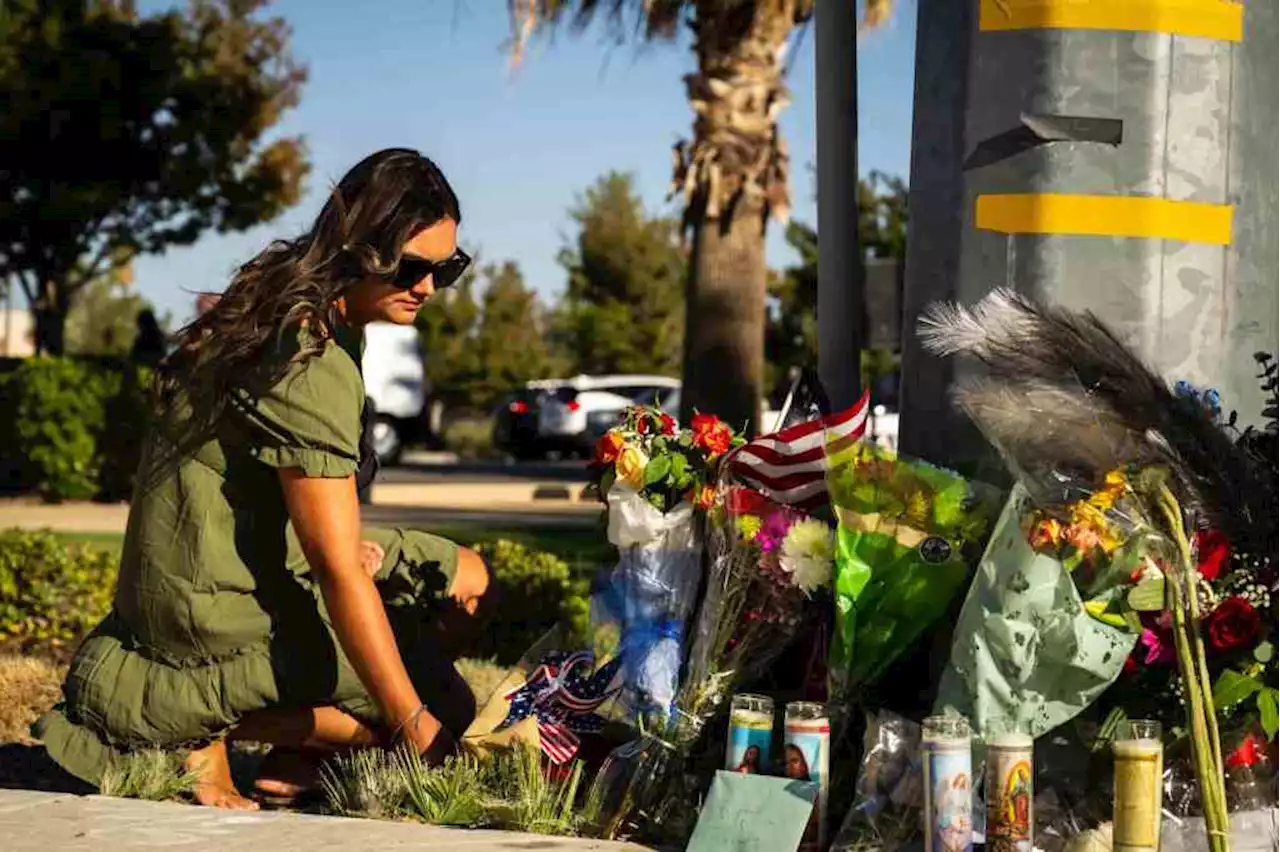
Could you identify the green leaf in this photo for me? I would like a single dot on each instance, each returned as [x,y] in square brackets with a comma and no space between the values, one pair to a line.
[679,464]
[1269,711]
[657,470]
[1232,688]
[1265,652]
[1148,596]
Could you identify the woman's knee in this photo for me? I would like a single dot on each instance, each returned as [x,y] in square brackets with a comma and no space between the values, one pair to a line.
[472,586]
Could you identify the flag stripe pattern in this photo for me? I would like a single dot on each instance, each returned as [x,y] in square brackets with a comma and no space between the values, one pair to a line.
[563,694]
[790,466]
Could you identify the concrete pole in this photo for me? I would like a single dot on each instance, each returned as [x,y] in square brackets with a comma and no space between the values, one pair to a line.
[841,323]
[1105,163]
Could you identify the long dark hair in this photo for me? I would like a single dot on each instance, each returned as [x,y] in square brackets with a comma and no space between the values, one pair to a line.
[376,207]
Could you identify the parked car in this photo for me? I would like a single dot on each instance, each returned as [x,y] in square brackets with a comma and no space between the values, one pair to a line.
[515,423]
[576,412]
[395,385]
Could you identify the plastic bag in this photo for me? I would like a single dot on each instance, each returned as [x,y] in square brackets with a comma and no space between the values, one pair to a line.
[647,599]
[889,804]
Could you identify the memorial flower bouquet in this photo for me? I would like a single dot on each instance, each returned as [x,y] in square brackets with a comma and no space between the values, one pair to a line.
[908,534]
[1065,402]
[766,560]
[657,481]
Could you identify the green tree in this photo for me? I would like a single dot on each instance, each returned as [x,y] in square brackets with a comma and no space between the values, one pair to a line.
[733,173]
[103,320]
[791,336]
[447,328]
[623,310]
[510,343]
[123,134]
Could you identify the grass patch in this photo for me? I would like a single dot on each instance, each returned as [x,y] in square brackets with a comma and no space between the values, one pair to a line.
[150,774]
[508,790]
[28,687]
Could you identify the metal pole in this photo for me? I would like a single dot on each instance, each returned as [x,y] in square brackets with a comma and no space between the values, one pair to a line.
[840,274]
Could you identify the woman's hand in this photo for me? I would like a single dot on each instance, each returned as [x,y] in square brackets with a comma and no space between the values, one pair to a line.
[326,515]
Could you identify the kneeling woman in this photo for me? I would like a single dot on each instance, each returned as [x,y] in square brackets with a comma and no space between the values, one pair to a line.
[251,605]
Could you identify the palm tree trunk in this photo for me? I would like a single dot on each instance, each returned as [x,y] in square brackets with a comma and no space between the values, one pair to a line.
[733,175]
[725,319]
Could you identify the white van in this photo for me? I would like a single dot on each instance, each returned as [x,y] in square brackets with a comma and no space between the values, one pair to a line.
[395,384]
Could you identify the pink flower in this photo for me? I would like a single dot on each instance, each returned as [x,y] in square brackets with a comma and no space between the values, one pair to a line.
[1159,648]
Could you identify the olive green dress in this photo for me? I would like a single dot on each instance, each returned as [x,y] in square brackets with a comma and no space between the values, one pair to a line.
[216,614]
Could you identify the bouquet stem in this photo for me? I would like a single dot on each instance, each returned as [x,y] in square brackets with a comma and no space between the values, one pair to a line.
[1206,747]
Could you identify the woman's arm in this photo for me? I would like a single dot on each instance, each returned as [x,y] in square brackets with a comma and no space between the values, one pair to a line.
[326,515]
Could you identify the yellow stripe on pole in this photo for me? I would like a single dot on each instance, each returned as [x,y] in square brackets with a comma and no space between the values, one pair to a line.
[1216,19]
[1105,216]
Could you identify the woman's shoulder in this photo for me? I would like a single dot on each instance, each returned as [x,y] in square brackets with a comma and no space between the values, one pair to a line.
[321,363]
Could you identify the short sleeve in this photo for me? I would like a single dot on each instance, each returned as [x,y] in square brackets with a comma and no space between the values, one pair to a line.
[311,419]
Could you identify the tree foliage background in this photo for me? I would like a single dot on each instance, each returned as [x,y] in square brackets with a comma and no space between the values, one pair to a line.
[125,133]
[623,310]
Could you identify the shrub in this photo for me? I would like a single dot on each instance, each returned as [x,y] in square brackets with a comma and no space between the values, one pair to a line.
[51,593]
[76,426]
[29,686]
[149,774]
[469,438]
[535,591]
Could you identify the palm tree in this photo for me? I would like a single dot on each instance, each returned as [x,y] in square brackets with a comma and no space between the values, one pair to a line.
[733,174]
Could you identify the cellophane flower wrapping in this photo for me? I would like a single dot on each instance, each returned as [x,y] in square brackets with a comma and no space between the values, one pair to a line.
[646,601]
[1027,654]
[908,533]
[766,560]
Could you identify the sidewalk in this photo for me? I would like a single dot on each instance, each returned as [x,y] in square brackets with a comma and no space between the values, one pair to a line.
[41,822]
[515,499]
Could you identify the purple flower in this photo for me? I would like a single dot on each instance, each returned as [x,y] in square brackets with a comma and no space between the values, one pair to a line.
[773,531]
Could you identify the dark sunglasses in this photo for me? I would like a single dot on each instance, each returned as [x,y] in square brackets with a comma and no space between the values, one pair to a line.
[444,273]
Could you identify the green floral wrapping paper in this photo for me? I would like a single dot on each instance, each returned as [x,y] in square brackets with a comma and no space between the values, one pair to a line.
[908,533]
[1027,656]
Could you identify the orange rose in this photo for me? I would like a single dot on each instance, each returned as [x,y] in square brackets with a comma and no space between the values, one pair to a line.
[704,498]
[608,448]
[711,434]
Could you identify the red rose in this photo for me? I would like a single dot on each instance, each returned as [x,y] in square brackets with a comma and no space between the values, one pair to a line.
[1213,551]
[608,447]
[642,424]
[748,501]
[1234,624]
[711,434]
[668,424]
[1249,752]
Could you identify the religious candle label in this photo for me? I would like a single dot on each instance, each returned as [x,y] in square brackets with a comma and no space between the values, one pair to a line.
[1009,795]
[1138,770]
[948,783]
[806,757]
[750,741]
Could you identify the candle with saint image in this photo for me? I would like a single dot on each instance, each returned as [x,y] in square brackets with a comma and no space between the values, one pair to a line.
[1009,792]
[1139,773]
[947,761]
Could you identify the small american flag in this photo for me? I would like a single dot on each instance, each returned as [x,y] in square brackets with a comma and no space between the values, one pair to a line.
[790,466]
[563,694]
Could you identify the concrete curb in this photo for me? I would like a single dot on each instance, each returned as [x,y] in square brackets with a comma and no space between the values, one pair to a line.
[38,822]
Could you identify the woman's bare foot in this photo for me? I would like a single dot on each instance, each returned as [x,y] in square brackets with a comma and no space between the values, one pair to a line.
[288,773]
[215,787]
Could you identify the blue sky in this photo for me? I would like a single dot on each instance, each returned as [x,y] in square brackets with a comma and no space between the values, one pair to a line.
[518,148]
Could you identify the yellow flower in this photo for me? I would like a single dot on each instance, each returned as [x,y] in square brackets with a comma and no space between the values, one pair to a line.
[749,527]
[1116,480]
[630,466]
[1104,499]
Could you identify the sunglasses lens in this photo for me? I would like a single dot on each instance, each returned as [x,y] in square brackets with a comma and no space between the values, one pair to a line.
[410,272]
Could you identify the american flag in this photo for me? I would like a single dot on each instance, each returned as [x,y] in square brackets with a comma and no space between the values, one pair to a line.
[790,466]
[563,694]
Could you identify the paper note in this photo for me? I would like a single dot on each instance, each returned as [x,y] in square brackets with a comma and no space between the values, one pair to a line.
[753,813]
